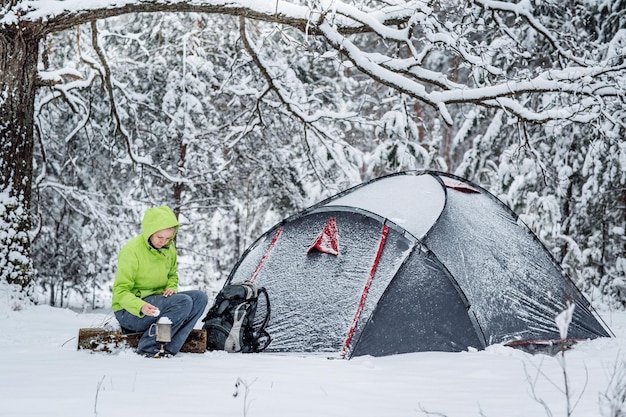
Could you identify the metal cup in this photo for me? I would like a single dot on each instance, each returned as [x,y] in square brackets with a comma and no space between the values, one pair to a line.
[163,331]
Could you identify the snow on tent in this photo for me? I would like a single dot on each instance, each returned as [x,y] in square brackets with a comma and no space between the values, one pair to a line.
[416,261]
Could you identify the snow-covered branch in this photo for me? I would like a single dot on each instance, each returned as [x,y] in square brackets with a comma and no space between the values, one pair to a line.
[391,43]
[274,85]
[133,157]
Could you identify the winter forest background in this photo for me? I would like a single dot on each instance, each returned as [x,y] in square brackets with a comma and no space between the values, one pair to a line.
[236,123]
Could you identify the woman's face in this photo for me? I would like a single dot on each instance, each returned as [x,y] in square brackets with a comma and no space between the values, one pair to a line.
[161,237]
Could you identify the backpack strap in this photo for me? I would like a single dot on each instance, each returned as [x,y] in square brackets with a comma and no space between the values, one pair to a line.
[251,290]
[262,292]
[233,340]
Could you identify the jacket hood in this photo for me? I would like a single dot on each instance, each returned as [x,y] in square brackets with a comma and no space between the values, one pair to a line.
[158,218]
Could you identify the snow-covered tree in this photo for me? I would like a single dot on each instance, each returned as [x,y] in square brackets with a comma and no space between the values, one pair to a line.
[416,84]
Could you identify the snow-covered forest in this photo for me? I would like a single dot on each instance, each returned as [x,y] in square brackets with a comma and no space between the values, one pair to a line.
[240,117]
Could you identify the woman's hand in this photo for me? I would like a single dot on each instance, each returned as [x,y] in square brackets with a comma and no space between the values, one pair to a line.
[168,292]
[149,310]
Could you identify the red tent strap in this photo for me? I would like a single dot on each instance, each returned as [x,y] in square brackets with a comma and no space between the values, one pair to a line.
[265,255]
[366,290]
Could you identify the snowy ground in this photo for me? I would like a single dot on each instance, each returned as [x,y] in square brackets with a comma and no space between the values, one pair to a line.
[43,374]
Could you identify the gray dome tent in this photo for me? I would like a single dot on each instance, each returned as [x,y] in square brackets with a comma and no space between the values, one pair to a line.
[416,261]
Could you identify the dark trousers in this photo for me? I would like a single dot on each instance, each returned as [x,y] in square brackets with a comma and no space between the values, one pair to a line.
[183,309]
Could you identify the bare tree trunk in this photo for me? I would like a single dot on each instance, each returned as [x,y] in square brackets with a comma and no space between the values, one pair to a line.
[18,79]
[179,186]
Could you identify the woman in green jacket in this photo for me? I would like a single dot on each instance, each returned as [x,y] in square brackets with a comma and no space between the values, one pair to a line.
[146,285]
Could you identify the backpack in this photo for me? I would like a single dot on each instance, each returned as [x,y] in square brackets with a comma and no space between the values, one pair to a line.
[236,322]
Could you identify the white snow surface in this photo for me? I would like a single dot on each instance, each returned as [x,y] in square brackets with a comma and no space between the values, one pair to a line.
[43,374]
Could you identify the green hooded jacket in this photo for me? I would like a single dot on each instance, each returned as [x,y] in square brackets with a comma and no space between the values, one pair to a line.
[143,270]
